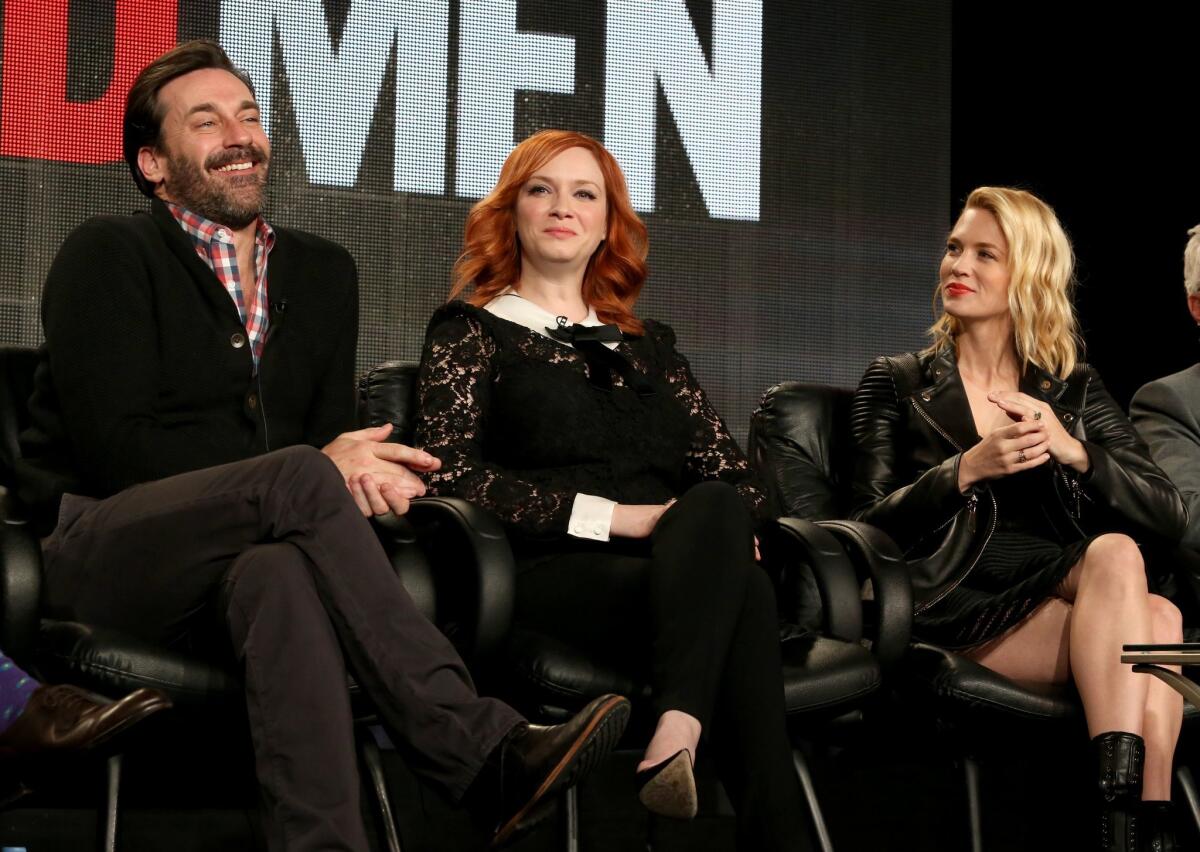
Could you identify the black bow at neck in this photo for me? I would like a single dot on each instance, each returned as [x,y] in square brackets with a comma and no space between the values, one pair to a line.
[601,361]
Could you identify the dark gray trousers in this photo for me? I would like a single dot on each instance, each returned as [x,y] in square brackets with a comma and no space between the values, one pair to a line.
[304,588]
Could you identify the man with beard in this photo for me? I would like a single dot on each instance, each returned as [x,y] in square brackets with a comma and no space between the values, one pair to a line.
[184,348]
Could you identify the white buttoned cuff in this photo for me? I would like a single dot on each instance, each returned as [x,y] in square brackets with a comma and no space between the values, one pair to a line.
[591,517]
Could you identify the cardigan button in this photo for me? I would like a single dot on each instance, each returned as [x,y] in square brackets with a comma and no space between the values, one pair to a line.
[1045,384]
[252,401]
[237,340]
[925,397]
[1068,417]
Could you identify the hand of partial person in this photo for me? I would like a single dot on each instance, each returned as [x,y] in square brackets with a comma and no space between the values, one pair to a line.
[636,520]
[378,474]
[1002,451]
[1064,448]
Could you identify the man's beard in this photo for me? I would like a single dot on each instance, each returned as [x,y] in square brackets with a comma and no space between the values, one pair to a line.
[204,194]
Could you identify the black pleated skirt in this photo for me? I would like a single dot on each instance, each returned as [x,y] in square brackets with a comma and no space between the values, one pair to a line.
[1015,574]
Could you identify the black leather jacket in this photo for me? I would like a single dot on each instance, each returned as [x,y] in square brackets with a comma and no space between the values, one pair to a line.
[912,422]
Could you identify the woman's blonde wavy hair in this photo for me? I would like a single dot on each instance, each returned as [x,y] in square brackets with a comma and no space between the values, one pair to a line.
[1041,264]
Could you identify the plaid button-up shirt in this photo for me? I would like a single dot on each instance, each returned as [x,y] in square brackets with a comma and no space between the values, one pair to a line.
[214,244]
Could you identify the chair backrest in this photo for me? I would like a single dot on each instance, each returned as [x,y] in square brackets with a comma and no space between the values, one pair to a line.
[801,445]
[20,582]
[17,365]
[388,394]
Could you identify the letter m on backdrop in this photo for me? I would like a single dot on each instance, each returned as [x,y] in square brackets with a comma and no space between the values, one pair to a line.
[36,117]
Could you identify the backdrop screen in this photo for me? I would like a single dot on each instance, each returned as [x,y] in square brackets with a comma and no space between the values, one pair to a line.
[790,157]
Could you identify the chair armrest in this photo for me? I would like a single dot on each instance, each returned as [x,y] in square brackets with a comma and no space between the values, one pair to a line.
[793,543]
[20,589]
[471,569]
[877,558]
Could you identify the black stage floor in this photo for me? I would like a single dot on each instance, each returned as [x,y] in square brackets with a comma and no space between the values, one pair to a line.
[894,792]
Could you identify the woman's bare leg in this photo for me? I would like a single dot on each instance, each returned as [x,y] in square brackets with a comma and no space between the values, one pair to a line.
[1109,607]
[1113,608]
[1164,707]
[1036,651]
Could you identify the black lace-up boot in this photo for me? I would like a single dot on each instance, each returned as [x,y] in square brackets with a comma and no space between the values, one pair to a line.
[1157,827]
[1119,760]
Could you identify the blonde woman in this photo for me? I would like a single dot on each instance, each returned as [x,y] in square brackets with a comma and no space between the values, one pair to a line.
[1021,493]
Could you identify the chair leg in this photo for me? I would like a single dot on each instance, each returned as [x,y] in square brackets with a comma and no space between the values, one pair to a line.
[974,802]
[1187,784]
[571,818]
[810,796]
[374,765]
[112,803]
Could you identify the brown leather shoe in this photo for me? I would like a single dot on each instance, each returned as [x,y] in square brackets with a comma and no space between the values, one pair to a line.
[537,761]
[64,718]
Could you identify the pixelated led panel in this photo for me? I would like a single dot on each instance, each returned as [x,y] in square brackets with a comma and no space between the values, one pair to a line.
[791,158]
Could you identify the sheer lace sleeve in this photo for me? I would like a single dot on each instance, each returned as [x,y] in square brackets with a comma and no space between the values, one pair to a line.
[714,453]
[453,400]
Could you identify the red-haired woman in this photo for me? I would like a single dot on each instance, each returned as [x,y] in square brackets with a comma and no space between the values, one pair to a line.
[630,508]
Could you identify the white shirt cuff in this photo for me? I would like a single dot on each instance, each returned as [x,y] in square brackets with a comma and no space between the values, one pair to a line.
[591,517]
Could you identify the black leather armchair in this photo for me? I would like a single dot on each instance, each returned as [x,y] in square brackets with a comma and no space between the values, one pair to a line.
[452,558]
[800,441]
[828,674]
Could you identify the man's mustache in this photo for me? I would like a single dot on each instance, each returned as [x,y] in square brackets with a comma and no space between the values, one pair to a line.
[250,152]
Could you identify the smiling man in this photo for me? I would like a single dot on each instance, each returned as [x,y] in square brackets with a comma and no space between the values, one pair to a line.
[191,462]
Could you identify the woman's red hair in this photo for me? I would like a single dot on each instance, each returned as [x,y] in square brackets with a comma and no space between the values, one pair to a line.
[491,258]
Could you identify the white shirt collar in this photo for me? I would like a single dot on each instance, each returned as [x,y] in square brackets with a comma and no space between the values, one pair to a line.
[513,307]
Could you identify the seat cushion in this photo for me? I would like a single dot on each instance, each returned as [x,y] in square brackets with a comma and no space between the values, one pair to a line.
[962,686]
[112,663]
[823,675]
[550,672]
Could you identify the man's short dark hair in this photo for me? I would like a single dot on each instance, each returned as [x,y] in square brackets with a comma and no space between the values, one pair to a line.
[144,114]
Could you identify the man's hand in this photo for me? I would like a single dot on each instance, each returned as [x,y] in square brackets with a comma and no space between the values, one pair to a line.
[377,473]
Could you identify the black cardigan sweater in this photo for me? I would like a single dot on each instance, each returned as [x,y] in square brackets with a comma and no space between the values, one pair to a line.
[145,371]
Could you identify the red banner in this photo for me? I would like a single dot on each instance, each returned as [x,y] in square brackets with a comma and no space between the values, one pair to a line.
[37,119]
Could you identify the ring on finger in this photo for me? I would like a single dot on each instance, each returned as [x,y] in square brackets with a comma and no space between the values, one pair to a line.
[1021,457]
[1037,414]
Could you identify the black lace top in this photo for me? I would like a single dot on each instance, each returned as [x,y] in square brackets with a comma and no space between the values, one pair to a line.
[520,430]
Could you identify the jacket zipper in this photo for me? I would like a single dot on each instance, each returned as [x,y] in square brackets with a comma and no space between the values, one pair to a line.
[972,507]
[1076,492]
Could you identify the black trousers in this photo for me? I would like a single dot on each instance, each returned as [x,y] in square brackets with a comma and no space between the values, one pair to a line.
[693,597]
[302,586]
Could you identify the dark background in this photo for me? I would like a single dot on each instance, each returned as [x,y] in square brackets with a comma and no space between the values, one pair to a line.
[839,267]
[1096,113]
[878,119]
